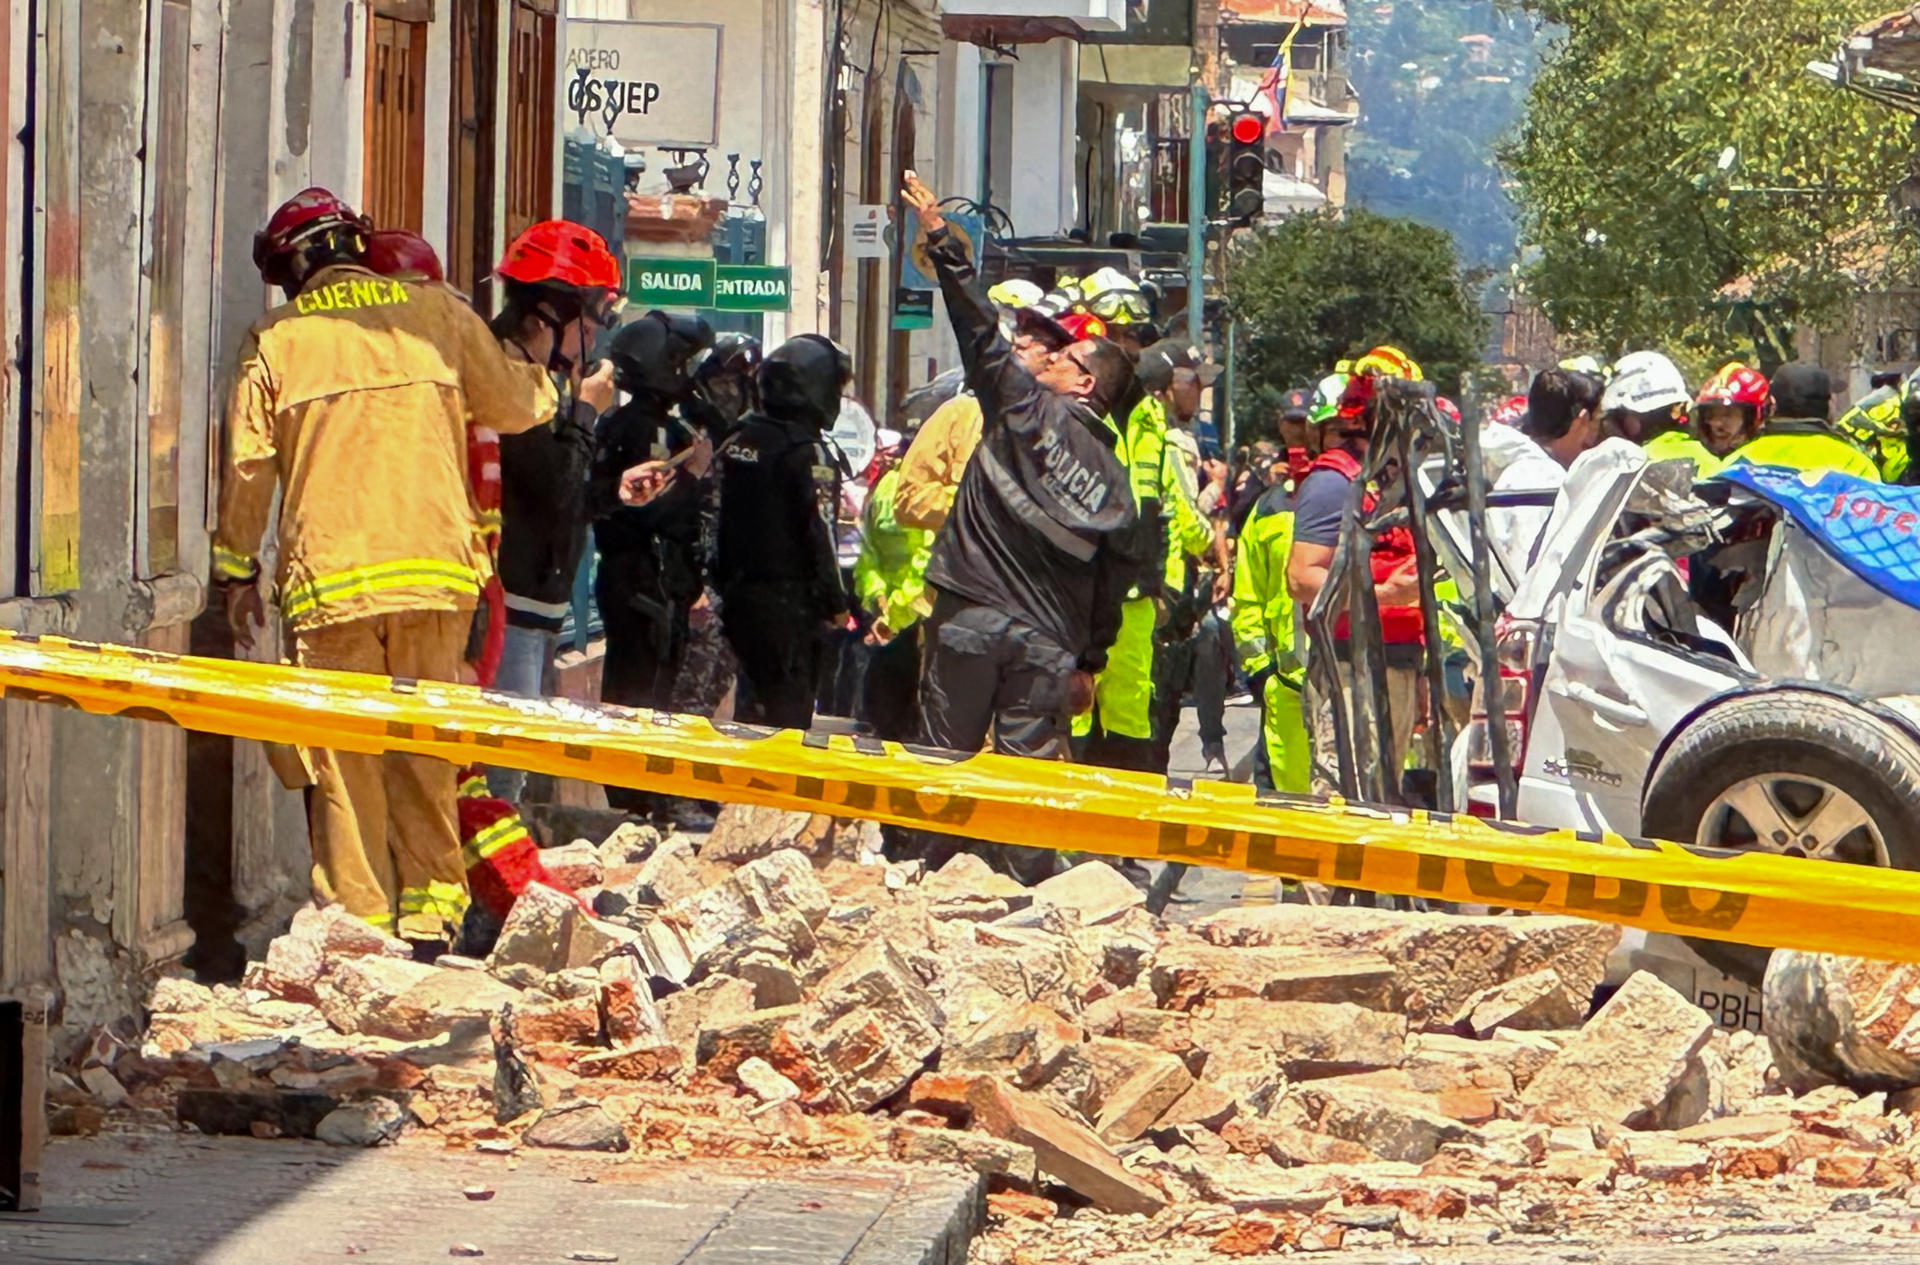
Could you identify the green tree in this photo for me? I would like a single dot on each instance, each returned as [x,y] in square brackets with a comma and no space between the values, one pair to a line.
[1670,150]
[1314,289]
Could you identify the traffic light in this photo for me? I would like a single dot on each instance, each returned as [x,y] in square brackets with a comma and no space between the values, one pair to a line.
[1246,165]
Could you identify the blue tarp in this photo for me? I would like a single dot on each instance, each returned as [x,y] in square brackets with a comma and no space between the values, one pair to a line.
[1872,528]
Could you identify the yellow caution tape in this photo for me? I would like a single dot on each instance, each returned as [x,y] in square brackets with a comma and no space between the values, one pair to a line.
[1745,897]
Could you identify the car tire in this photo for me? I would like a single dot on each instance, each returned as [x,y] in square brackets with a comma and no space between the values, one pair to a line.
[1797,733]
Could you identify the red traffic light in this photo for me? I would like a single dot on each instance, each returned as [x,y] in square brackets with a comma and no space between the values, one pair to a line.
[1247,128]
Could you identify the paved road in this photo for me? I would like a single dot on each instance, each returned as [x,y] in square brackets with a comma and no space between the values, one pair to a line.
[1204,891]
[180,1200]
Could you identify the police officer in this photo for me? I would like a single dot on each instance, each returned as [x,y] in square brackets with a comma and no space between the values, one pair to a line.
[650,572]
[776,568]
[725,388]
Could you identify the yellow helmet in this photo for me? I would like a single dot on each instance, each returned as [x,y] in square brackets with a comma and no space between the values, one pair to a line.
[1016,293]
[1388,362]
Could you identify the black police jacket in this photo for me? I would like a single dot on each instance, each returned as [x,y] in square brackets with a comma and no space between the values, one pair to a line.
[779,490]
[654,549]
[1043,525]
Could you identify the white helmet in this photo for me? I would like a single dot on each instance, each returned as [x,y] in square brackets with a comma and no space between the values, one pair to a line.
[1645,382]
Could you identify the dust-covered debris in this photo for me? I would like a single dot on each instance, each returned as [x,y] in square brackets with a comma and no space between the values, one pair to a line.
[1283,1079]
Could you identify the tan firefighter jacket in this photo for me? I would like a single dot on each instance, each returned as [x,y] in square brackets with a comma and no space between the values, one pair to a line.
[355,399]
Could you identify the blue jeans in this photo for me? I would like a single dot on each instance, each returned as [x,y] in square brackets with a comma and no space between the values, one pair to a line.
[526,660]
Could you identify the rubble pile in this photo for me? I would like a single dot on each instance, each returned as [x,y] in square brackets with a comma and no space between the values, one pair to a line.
[1286,1077]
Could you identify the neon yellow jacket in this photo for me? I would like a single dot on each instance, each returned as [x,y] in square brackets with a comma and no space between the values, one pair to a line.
[890,575]
[1124,691]
[1264,630]
[1265,635]
[1875,426]
[1675,444]
[1157,469]
[1806,449]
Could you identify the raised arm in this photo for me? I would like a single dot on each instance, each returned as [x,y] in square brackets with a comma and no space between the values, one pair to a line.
[993,373]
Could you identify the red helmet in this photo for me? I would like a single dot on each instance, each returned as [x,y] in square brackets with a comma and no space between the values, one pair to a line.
[559,252]
[394,252]
[300,219]
[1081,325]
[1738,385]
[1509,412]
[1448,409]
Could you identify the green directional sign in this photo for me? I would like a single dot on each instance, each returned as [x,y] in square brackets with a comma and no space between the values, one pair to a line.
[670,282]
[753,288]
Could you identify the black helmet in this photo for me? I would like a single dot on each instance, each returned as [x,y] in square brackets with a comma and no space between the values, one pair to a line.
[801,380]
[652,355]
[725,382]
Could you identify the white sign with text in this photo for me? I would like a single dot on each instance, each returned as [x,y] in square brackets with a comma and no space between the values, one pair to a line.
[643,83]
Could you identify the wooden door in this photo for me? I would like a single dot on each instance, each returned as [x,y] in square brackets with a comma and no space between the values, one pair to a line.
[395,122]
[531,57]
[471,170]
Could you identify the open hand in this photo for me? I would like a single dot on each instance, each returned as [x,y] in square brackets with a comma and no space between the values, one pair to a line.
[925,203]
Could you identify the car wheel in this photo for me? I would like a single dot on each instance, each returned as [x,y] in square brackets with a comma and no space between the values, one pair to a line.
[1793,772]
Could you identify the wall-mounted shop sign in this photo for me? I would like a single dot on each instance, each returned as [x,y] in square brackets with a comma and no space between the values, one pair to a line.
[701,283]
[643,83]
[753,288]
[670,282]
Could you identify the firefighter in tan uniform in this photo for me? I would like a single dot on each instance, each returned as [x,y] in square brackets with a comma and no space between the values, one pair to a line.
[354,400]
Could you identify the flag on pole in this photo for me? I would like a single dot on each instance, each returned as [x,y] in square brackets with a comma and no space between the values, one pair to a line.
[1274,89]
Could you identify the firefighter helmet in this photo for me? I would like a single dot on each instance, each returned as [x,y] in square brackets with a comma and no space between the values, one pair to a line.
[299,222]
[1387,362]
[394,252]
[1737,385]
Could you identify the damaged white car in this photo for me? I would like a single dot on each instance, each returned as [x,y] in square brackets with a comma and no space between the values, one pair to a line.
[1725,665]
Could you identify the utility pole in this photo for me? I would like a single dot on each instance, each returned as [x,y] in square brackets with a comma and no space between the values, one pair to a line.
[1197,218]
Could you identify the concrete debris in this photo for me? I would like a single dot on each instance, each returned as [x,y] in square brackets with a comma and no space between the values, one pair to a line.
[1065,1151]
[1025,1043]
[1188,974]
[576,867]
[758,1077]
[1006,1162]
[367,1123]
[744,832]
[1274,1080]
[577,1126]
[1440,960]
[630,844]
[1624,1064]
[1133,1086]
[1534,1000]
[1093,890]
